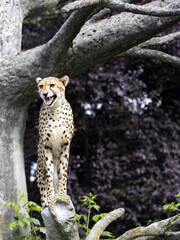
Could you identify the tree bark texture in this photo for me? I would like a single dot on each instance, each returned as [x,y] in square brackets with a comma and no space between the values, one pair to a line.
[12,173]
[79,44]
[63,224]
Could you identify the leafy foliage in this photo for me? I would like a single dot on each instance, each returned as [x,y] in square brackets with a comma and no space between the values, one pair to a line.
[84,220]
[24,218]
[173,207]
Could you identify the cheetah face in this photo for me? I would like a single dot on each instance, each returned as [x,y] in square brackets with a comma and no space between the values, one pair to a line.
[52,89]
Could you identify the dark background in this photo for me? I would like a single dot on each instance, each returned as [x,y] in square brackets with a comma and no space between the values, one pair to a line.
[127,131]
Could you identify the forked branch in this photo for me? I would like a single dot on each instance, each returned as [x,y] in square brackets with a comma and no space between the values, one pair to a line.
[143,51]
[169,10]
[64,37]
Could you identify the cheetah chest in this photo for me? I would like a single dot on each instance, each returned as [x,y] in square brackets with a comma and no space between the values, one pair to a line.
[54,138]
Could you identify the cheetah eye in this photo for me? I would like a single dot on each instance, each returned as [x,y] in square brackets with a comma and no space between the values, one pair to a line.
[52,85]
[41,86]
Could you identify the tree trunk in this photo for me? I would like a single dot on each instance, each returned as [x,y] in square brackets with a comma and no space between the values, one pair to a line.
[12,174]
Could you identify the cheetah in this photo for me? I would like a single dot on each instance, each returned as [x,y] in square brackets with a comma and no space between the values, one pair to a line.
[56,128]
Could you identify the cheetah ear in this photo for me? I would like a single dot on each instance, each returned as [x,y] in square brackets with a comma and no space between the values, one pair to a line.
[38,80]
[65,80]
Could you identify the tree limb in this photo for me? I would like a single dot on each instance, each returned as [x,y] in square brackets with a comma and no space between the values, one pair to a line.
[141,231]
[64,37]
[152,54]
[31,7]
[157,41]
[93,44]
[155,231]
[120,6]
[102,224]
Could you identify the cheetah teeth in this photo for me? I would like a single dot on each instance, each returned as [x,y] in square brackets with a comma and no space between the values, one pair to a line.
[50,100]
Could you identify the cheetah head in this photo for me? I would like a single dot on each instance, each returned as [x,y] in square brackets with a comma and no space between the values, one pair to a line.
[52,89]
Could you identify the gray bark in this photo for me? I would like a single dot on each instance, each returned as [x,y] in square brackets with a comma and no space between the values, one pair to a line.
[12,175]
[155,231]
[78,45]
[63,225]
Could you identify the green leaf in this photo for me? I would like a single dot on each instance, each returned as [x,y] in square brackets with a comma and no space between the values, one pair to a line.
[22,224]
[36,208]
[79,216]
[35,221]
[102,215]
[27,221]
[16,207]
[178,195]
[166,207]
[171,207]
[13,225]
[97,207]
[96,218]
[33,207]
[28,238]
[8,204]
[83,226]
[32,237]
[107,234]
[34,230]
[84,217]
[173,219]
[22,238]
[43,230]
[23,196]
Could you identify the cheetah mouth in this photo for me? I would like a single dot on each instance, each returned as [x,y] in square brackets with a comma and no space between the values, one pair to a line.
[50,100]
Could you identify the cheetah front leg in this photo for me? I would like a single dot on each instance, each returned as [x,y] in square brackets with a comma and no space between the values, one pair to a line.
[49,173]
[62,180]
[40,175]
[41,182]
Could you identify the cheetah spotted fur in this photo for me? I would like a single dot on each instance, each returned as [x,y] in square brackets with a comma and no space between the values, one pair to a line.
[56,129]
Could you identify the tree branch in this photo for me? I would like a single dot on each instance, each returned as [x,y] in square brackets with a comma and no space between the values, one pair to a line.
[102,224]
[141,231]
[64,37]
[120,6]
[157,41]
[155,231]
[93,44]
[152,54]
[31,7]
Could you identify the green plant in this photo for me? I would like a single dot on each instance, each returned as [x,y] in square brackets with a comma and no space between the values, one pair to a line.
[84,220]
[24,217]
[173,207]
[149,222]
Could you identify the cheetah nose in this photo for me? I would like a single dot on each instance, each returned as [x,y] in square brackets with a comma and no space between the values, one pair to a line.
[45,94]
